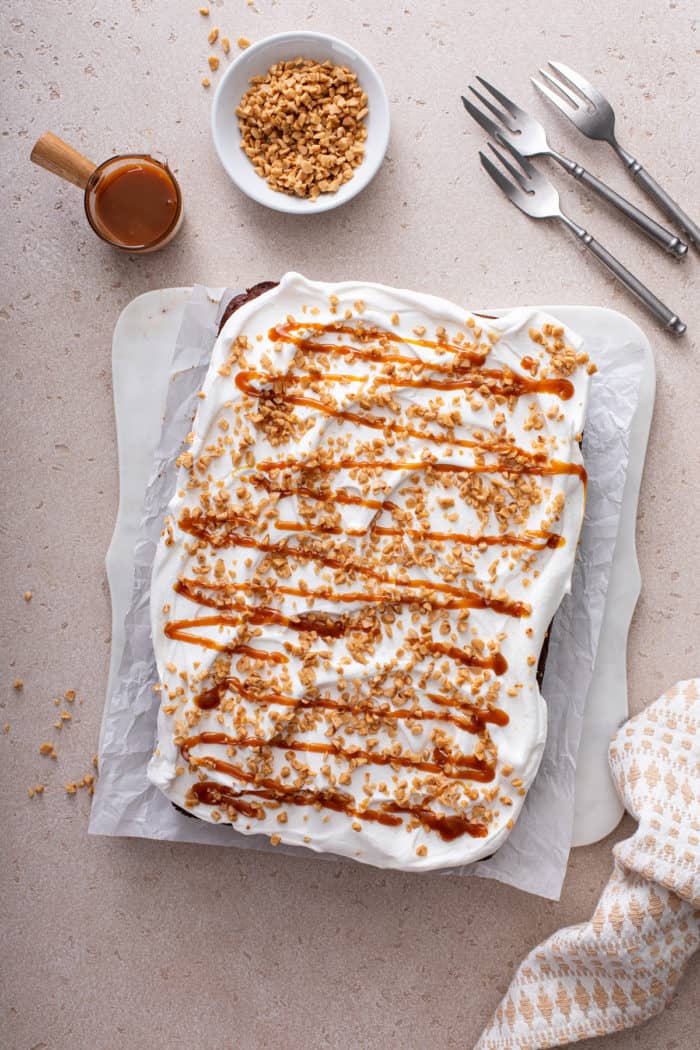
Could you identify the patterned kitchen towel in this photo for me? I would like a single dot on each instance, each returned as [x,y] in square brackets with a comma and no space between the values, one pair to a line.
[621,967]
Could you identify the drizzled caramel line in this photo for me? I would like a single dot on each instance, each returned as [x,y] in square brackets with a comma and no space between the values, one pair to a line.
[285,333]
[324,625]
[349,499]
[190,589]
[504,383]
[180,630]
[534,539]
[374,422]
[551,467]
[456,767]
[465,599]
[209,793]
[472,719]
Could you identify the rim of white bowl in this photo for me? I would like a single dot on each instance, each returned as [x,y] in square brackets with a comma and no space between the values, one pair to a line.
[365,172]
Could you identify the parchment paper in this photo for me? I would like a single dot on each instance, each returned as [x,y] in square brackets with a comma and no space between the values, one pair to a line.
[534,858]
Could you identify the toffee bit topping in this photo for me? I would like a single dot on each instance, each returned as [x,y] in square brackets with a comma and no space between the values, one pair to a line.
[302,125]
[361,513]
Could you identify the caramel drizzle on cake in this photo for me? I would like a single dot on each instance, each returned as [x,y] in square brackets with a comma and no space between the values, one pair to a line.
[449,827]
[218,524]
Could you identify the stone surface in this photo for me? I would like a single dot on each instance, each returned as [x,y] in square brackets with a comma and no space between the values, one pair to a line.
[118,944]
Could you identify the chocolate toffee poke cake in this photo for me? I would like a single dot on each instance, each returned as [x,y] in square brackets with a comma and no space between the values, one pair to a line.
[375,519]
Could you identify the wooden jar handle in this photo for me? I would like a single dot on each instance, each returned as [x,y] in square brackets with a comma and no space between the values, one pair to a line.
[58,157]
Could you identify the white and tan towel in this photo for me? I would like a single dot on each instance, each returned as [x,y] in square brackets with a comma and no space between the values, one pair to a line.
[621,967]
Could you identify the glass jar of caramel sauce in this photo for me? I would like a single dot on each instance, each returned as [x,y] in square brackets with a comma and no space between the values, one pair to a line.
[132,201]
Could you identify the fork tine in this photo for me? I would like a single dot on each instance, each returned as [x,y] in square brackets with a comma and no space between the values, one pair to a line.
[489,126]
[503,99]
[559,85]
[553,98]
[499,178]
[575,79]
[499,114]
[529,169]
[519,177]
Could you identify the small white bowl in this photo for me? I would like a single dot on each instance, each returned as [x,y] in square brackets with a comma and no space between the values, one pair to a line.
[255,61]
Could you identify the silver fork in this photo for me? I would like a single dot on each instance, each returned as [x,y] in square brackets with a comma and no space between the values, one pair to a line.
[536,196]
[593,115]
[518,129]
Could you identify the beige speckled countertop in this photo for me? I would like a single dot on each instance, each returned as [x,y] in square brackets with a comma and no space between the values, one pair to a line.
[115,944]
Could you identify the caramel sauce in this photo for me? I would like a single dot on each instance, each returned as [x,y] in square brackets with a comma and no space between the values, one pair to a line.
[194,590]
[387,425]
[534,539]
[322,624]
[287,333]
[213,794]
[545,468]
[496,662]
[210,698]
[470,718]
[504,383]
[374,422]
[482,716]
[349,499]
[345,498]
[220,537]
[179,631]
[137,203]
[458,767]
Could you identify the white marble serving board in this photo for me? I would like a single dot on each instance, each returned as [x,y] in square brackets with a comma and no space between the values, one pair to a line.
[142,349]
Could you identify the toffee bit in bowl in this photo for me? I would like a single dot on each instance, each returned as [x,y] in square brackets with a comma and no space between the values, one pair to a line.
[302,126]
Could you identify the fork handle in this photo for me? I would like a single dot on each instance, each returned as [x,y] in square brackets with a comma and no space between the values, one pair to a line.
[654,230]
[660,311]
[666,203]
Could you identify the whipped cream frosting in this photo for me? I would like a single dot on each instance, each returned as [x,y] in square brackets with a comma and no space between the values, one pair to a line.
[375,519]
